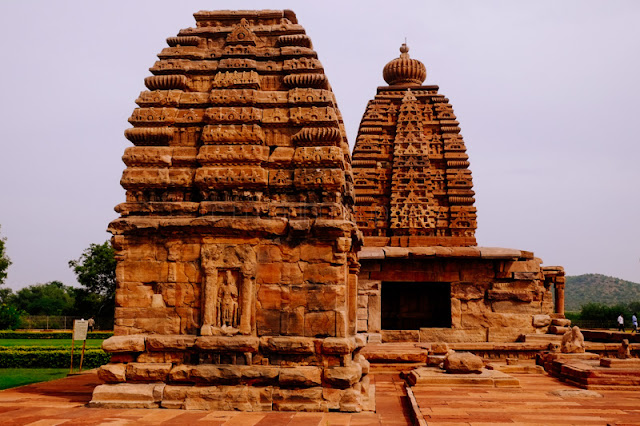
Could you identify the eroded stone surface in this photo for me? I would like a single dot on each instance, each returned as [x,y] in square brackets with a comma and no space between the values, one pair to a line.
[236,244]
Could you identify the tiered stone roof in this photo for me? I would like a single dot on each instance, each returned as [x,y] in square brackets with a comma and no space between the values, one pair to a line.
[412,178]
[239,119]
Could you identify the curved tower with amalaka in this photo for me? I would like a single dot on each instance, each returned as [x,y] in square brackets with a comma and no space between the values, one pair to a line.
[423,278]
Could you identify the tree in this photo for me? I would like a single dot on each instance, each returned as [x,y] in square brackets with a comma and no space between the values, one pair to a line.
[4,261]
[96,272]
[52,298]
[9,317]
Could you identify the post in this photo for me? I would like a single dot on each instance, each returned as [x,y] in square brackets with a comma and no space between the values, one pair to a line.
[84,342]
[71,367]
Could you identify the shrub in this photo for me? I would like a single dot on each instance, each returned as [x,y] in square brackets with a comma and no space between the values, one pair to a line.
[9,317]
[7,334]
[57,358]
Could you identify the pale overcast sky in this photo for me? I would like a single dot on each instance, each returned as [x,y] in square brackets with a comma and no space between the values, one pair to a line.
[546,93]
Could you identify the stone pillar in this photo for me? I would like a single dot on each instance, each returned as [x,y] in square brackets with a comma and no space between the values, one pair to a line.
[559,305]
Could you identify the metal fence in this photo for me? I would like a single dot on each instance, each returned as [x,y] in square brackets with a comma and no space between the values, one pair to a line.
[596,324]
[47,322]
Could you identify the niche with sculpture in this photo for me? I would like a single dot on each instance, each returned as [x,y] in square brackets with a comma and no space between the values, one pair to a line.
[229,275]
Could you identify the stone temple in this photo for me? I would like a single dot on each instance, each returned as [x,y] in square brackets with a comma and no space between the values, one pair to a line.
[256,259]
[423,278]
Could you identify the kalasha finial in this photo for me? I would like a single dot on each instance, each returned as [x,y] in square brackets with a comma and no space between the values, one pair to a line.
[404,70]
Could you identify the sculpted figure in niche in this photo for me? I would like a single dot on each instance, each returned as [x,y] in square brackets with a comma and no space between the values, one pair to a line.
[228,301]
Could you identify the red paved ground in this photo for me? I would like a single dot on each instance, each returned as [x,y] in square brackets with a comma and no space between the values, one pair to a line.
[62,402]
[529,405]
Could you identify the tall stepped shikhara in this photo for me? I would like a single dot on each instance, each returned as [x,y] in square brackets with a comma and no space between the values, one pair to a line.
[238,109]
[236,246]
[411,171]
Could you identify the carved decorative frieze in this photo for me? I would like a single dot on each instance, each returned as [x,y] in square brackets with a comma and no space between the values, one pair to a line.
[410,161]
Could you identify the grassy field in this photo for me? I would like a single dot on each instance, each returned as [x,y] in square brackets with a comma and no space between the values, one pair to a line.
[12,377]
[58,343]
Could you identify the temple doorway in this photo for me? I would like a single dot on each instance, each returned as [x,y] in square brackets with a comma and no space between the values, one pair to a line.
[411,306]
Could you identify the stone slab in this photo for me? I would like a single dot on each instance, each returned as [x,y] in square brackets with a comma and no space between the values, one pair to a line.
[620,363]
[431,376]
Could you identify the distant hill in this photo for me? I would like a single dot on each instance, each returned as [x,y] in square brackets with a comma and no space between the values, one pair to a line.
[582,289]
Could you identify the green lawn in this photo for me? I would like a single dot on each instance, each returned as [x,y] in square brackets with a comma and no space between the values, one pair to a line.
[12,377]
[58,343]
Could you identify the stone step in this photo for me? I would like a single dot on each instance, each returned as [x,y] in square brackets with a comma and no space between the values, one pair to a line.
[559,330]
[395,353]
[561,322]
[548,338]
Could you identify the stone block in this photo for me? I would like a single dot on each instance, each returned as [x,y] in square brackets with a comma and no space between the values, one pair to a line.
[258,375]
[292,273]
[314,253]
[320,324]
[300,376]
[112,373]
[337,345]
[527,275]
[323,273]
[467,291]
[268,322]
[499,253]
[228,398]
[228,343]
[371,253]
[462,363]
[147,372]
[289,345]
[343,377]
[439,348]
[540,320]
[292,322]
[270,296]
[561,322]
[324,298]
[309,399]
[168,343]
[127,395]
[269,273]
[451,335]
[268,253]
[124,344]
[391,336]
[145,271]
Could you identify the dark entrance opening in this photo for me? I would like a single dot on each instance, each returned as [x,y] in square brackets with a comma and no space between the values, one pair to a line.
[411,306]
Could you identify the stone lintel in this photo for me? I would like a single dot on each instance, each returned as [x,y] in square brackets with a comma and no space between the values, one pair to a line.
[499,253]
[382,252]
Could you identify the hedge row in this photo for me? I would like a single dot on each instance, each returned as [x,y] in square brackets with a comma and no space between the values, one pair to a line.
[77,347]
[51,335]
[52,358]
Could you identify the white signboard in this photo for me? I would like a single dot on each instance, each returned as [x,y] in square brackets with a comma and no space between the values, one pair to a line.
[80,328]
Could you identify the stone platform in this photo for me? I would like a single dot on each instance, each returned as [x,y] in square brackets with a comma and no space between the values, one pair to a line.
[539,400]
[432,376]
[612,374]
